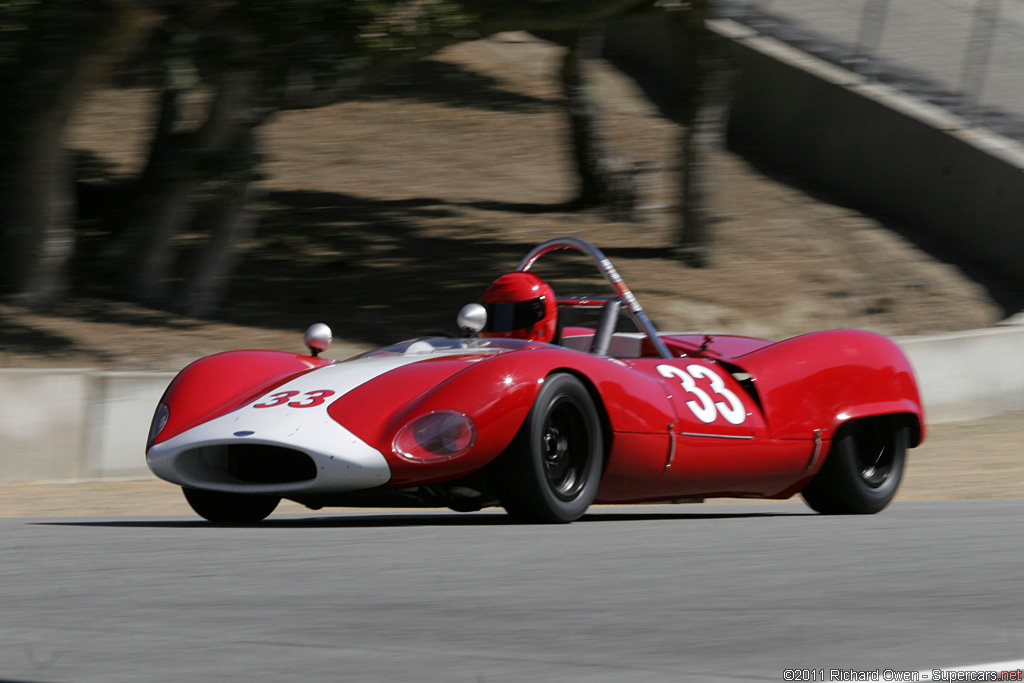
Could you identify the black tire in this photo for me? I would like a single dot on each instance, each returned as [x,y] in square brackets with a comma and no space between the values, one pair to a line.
[230,508]
[863,469]
[551,471]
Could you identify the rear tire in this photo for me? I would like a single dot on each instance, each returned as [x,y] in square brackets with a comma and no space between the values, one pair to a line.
[863,468]
[230,508]
[551,471]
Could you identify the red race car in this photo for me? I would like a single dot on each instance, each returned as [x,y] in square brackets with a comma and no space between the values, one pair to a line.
[542,418]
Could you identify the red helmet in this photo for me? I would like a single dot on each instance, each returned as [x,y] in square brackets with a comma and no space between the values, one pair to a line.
[521,306]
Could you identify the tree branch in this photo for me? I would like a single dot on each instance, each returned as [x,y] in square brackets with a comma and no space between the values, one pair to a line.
[497,16]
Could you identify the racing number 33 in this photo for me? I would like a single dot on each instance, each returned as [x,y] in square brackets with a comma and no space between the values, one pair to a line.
[705,408]
[312,398]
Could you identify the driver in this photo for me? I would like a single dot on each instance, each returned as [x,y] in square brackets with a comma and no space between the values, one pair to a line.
[520,305]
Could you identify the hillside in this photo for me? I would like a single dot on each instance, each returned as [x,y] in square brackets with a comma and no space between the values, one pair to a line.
[383,216]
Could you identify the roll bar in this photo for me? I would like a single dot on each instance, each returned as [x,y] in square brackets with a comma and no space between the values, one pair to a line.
[636,312]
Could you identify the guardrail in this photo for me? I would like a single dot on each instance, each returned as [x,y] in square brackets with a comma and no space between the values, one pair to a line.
[68,425]
[969,374]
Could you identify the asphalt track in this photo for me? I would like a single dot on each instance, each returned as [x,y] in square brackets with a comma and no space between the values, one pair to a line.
[687,593]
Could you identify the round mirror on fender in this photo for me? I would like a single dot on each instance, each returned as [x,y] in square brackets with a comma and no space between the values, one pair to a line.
[472,319]
[317,338]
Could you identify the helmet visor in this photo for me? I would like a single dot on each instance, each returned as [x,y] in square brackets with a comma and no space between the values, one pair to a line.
[519,315]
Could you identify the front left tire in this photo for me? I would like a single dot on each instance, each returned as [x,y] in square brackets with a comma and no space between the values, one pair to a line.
[551,471]
[230,508]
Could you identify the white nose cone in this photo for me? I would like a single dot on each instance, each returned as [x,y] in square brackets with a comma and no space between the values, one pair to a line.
[318,338]
[472,318]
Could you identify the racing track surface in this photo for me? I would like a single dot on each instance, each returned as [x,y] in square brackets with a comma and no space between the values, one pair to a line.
[687,593]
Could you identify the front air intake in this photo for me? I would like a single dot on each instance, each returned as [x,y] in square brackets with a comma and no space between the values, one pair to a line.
[247,464]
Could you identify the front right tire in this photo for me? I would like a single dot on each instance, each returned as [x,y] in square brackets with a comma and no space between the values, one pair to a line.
[230,508]
[863,469]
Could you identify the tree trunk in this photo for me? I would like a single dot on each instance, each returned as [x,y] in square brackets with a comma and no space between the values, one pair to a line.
[231,221]
[170,213]
[183,164]
[37,200]
[587,148]
[38,211]
[704,84]
[605,178]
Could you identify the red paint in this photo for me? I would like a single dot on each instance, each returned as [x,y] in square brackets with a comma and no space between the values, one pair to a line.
[695,431]
[218,384]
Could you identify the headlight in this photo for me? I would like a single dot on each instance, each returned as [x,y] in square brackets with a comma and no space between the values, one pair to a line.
[160,418]
[438,435]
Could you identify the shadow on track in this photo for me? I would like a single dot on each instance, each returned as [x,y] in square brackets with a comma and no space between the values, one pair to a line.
[415,520]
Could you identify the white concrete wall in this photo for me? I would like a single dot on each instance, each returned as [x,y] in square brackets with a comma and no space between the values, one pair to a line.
[884,152]
[119,413]
[59,425]
[881,150]
[63,425]
[969,374]
[42,422]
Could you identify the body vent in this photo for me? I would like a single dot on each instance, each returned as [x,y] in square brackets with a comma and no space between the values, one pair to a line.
[248,464]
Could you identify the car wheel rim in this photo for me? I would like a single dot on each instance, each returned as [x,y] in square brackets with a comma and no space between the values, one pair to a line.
[565,450]
[875,456]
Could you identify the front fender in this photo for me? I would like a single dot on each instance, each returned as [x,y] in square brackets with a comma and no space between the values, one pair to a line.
[491,390]
[497,393]
[217,384]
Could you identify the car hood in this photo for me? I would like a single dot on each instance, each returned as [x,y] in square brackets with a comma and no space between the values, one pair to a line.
[331,415]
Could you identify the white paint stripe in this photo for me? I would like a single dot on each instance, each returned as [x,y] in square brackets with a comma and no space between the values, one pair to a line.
[344,461]
[1014,670]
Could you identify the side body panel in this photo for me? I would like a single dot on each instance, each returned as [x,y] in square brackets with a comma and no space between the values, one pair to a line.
[497,392]
[721,445]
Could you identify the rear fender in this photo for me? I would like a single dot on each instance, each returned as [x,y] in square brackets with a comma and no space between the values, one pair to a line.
[810,385]
[904,410]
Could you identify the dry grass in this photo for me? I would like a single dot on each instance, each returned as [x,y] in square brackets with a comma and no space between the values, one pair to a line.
[383,216]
